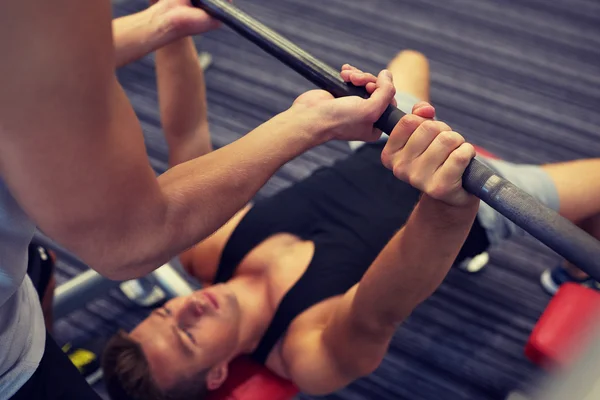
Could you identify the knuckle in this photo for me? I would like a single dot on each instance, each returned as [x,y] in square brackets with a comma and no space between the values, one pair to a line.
[410,120]
[415,179]
[386,158]
[389,86]
[463,154]
[386,88]
[469,149]
[436,190]
[420,104]
[399,170]
[435,126]
[430,126]
[443,126]
[409,123]
[461,158]
[392,89]
[450,139]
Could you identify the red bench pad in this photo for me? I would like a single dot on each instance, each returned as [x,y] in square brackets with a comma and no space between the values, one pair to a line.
[249,380]
[565,327]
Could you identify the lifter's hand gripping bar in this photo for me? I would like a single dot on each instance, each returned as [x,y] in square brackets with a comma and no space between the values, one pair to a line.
[521,208]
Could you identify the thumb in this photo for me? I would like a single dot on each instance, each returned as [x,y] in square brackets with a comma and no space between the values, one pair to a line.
[382,96]
[200,20]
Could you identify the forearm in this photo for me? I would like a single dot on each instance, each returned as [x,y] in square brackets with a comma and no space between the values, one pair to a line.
[199,196]
[182,98]
[414,263]
[139,34]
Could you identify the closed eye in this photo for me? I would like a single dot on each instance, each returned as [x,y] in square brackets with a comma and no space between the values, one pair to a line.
[162,312]
[189,335]
[185,332]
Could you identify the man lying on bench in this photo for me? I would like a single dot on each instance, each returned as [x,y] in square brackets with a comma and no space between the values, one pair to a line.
[314,281]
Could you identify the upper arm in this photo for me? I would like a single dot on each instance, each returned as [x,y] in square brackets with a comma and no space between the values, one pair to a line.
[328,358]
[72,151]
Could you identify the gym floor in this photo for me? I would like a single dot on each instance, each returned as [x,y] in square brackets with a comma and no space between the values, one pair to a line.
[520,78]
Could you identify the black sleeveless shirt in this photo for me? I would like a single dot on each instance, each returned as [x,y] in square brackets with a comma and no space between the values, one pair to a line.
[350,211]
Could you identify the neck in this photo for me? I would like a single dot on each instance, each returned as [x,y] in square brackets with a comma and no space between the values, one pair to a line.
[255,312]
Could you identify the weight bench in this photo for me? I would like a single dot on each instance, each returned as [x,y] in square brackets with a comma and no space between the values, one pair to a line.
[564,341]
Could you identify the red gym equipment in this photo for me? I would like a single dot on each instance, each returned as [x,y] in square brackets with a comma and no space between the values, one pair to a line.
[251,381]
[565,328]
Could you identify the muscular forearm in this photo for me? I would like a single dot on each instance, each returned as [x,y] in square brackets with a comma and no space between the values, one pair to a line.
[182,98]
[198,197]
[413,263]
[139,34]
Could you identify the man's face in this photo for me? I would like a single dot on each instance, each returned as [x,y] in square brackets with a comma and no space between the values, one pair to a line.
[190,334]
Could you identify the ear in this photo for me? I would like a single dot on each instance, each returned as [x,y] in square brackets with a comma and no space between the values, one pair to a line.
[216,376]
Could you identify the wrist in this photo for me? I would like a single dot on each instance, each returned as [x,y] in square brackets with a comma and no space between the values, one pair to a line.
[448,213]
[162,25]
[308,122]
[178,46]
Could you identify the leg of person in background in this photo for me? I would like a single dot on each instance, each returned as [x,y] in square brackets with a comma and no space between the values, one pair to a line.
[570,188]
[578,187]
[410,70]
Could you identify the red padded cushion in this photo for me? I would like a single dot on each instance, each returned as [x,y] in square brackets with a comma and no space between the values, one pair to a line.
[484,153]
[565,327]
[251,381]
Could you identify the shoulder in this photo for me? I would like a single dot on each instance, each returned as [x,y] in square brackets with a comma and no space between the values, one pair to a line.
[309,365]
[326,353]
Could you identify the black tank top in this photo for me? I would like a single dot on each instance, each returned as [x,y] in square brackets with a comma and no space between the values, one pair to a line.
[350,211]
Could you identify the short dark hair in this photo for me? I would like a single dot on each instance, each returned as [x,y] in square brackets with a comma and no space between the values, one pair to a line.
[127,374]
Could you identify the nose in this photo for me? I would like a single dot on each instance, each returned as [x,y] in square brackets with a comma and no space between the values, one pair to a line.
[192,309]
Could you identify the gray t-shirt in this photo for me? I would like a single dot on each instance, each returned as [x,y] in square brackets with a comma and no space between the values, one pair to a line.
[22,330]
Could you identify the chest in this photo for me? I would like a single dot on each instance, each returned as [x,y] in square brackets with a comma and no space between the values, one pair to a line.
[281,261]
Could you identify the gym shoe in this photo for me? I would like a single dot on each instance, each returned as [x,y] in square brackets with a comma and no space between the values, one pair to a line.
[475,264]
[551,279]
[86,360]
